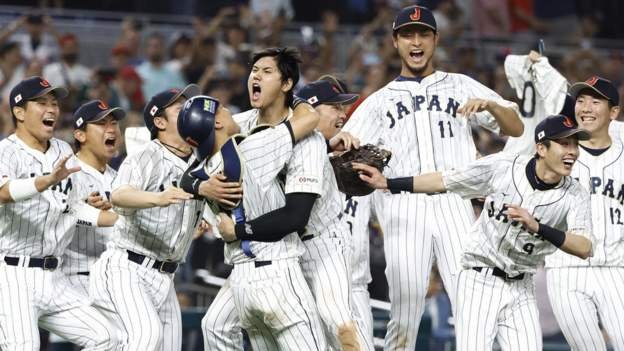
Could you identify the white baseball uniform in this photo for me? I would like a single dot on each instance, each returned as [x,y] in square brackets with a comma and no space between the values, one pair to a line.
[356,213]
[139,296]
[419,124]
[39,227]
[504,308]
[541,90]
[582,292]
[88,243]
[269,293]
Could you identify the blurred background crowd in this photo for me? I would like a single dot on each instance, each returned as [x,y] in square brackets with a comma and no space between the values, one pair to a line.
[123,52]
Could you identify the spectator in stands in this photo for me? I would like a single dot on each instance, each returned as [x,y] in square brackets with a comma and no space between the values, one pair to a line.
[155,74]
[120,57]
[201,68]
[67,72]
[236,40]
[39,40]
[128,88]
[491,18]
[12,68]
[180,51]
[131,37]
[523,19]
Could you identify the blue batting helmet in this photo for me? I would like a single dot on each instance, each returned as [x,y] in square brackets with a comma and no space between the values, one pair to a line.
[196,124]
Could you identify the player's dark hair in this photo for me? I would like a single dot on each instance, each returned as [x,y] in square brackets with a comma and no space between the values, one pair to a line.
[287,60]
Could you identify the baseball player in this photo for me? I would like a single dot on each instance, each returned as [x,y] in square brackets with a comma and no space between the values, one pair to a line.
[582,292]
[541,90]
[133,279]
[312,197]
[532,208]
[97,136]
[270,295]
[424,118]
[329,98]
[38,211]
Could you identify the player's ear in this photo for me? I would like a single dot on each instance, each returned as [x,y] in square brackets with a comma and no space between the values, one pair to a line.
[540,150]
[614,112]
[287,85]
[19,112]
[160,122]
[80,135]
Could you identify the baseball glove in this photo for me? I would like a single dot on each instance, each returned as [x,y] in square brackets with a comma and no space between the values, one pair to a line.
[348,179]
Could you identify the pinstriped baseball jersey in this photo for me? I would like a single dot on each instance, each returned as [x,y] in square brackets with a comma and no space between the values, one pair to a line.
[164,233]
[39,226]
[419,122]
[356,213]
[541,90]
[88,243]
[263,156]
[603,176]
[616,130]
[309,171]
[497,242]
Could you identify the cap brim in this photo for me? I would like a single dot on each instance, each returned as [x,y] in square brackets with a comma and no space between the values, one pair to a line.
[423,24]
[581,134]
[341,99]
[576,88]
[59,92]
[117,112]
[188,92]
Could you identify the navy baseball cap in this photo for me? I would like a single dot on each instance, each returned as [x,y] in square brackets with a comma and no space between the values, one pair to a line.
[32,88]
[94,111]
[159,102]
[602,86]
[324,92]
[557,127]
[414,15]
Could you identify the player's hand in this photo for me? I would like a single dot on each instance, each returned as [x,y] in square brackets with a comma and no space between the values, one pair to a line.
[226,228]
[218,189]
[344,141]
[473,106]
[96,200]
[521,215]
[172,195]
[371,175]
[61,171]
[201,229]
[534,56]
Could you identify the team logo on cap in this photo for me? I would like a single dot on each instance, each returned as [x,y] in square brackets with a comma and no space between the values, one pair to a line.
[335,89]
[592,81]
[18,98]
[568,122]
[103,106]
[312,100]
[416,15]
[153,110]
[209,106]
[79,122]
[44,83]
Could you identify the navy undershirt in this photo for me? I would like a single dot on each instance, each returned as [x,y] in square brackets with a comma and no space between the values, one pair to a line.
[595,152]
[534,180]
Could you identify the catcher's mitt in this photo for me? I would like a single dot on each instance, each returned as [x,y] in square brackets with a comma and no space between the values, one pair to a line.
[348,179]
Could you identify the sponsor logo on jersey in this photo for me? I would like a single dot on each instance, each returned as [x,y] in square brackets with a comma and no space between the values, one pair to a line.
[304,180]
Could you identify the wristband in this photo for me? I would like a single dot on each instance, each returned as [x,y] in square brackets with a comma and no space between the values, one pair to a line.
[396,185]
[22,189]
[87,215]
[555,236]
[243,231]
